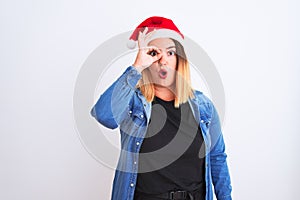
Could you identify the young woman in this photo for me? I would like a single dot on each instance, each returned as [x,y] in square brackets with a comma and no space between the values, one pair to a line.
[172,143]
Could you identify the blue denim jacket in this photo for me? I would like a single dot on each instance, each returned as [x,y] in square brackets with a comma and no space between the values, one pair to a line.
[123,105]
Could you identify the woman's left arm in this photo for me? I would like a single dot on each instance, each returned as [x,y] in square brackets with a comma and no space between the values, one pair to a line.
[219,168]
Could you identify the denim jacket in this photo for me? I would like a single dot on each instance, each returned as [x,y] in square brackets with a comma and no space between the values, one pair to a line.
[123,105]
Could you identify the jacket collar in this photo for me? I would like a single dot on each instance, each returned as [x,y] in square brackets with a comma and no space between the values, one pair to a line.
[197,104]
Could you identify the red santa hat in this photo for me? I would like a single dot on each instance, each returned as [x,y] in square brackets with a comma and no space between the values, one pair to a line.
[164,28]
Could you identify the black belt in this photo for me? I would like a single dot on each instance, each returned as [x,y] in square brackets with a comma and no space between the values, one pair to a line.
[174,195]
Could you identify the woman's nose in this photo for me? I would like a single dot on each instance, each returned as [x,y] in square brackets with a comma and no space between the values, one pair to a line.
[163,60]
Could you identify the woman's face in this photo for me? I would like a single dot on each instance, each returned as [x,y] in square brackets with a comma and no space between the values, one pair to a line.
[163,71]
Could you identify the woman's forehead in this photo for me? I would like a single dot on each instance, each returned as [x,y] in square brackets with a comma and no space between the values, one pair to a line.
[162,43]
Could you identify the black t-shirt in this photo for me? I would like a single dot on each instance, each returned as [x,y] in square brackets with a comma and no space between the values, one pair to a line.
[172,153]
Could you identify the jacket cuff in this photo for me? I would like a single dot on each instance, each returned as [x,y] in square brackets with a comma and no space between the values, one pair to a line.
[133,76]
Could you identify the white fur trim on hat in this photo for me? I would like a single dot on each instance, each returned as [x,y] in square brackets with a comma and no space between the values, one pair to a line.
[159,33]
[166,33]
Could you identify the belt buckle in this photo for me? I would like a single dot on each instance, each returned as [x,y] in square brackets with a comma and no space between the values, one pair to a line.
[174,195]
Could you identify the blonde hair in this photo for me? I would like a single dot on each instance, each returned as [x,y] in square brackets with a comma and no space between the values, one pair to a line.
[183,90]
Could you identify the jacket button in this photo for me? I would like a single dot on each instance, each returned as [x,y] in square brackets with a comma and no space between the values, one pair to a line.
[202,121]
[142,116]
[137,143]
[131,185]
[130,111]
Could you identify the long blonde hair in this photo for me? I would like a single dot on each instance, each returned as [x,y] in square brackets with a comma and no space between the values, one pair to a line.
[183,90]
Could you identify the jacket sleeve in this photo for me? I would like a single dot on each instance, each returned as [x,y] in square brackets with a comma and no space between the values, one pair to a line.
[110,109]
[219,169]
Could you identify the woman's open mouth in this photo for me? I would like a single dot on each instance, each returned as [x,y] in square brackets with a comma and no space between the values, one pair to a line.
[163,73]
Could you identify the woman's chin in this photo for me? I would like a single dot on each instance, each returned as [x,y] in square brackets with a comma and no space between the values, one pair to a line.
[163,84]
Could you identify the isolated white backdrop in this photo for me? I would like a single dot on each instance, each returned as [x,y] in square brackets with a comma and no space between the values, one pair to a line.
[254,45]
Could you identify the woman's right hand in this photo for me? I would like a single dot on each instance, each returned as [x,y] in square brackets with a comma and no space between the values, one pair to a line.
[146,54]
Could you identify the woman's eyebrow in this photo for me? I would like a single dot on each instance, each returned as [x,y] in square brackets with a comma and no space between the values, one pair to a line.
[171,47]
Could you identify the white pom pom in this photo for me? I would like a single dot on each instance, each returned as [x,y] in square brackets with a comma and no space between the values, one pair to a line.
[131,44]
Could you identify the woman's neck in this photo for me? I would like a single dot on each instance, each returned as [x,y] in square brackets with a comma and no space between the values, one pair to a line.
[164,93]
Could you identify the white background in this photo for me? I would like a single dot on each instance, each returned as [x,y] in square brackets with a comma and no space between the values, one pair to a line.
[254,45]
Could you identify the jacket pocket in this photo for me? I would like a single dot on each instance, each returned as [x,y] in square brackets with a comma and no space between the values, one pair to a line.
[137,116]
[135,120]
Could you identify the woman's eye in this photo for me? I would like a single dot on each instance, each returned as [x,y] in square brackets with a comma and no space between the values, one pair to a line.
[153,53]
[171,53]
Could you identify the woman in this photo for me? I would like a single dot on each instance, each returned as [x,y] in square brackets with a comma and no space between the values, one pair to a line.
[172,143]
